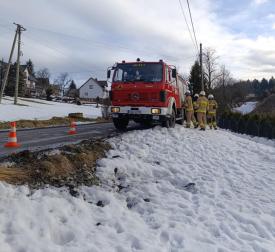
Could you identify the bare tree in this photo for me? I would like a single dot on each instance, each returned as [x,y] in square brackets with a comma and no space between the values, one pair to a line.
[224,77]
[211,67]
[63,80]
[43,73]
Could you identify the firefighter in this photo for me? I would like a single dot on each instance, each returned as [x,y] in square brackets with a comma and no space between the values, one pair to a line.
[202,109]
[188,105]
[195,107]
[212,108]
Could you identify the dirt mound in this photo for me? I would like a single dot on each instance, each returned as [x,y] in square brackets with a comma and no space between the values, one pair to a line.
[70,165]
[267,106]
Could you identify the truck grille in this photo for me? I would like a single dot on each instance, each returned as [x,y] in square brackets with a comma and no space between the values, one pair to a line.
[136,97]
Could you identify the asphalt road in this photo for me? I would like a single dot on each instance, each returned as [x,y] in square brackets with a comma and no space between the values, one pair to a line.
[44,138]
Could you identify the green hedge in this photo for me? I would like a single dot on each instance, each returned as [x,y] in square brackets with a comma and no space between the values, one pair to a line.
[251,124]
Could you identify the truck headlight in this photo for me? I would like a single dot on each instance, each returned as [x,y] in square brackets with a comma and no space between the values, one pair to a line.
[155,111]
[115,109]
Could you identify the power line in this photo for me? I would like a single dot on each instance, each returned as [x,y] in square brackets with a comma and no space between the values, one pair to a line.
[192,24]
[185,19]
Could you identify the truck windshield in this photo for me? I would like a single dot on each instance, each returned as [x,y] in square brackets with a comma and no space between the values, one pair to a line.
[146,72]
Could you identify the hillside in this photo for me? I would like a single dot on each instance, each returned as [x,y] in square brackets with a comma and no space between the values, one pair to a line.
[30,109]
[161,190]
[266,106]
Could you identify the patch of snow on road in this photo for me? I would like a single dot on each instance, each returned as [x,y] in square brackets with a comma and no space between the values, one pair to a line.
[246,108]
[162,190]
[30,109]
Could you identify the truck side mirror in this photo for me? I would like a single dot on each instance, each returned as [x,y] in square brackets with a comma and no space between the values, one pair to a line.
[108,74]
[174,73]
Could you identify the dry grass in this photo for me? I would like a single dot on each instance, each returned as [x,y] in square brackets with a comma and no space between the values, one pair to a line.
[71,165]
[55,121]
[13,175]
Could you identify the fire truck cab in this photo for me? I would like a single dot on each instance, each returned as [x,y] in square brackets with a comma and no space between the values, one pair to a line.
[146,92]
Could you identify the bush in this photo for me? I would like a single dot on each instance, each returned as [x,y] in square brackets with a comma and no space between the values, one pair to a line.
[255,125]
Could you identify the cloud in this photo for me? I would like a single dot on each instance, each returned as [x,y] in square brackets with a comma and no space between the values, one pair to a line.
[258,2]
[84,37]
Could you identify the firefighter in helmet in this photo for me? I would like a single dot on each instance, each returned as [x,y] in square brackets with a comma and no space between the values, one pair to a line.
[212,108]
[202,109]
[188,105]
[195,106]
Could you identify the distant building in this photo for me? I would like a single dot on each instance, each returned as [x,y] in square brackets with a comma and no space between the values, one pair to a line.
[27,80]
[30,82]
[41,86]
[92,89]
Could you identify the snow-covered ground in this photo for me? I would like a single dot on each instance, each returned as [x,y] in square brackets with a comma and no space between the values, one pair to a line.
[246,108]
[231,206]
[30,109]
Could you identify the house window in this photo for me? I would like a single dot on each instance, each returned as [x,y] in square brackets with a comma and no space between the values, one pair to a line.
[86,94]
[91,86]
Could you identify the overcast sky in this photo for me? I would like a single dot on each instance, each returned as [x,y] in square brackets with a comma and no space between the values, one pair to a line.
[84,37]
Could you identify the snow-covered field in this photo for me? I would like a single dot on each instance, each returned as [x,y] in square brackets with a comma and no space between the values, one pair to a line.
[30,109]
[231,206]
[246,108]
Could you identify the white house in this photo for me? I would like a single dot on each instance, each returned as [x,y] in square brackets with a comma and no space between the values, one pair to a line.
[30,81]
[92,89]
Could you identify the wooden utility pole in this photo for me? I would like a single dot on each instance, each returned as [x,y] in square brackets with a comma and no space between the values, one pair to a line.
[8,68]
[202,84]
[20,28]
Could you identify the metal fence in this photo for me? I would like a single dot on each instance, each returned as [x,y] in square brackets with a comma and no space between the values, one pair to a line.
[249,126]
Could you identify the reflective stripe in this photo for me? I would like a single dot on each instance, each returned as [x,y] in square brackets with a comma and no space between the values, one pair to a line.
[12,139]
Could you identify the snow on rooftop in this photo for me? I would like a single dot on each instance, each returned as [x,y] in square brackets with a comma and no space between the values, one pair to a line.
[147,204]
[30,109]
[246,108]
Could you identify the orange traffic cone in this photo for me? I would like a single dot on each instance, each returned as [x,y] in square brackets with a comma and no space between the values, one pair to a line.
[72,130]
[12,142]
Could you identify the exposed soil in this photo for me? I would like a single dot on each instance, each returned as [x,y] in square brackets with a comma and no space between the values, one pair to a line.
[70,165]
[55,121]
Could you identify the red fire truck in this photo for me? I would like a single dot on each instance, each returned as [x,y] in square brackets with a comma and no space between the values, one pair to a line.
[146,92]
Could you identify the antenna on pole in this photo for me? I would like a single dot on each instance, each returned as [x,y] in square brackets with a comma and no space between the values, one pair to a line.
[20,28]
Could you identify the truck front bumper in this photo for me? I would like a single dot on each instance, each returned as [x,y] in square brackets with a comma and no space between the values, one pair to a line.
[140,113]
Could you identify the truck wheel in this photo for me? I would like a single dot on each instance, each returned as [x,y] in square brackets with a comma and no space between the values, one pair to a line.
[170,123]
[121,123]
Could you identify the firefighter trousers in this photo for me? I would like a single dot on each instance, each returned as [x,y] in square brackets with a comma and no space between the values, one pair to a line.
[188,118]
[212,121]
[202,119]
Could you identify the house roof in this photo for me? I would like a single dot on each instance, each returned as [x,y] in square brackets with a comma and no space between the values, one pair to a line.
[32,78]
[100,83]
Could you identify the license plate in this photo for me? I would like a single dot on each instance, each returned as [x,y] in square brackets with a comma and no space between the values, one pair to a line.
[115,115]
[134,112]
[155,117]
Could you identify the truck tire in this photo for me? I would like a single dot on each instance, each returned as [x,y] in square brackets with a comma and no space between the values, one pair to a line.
[121,123]
[170,123]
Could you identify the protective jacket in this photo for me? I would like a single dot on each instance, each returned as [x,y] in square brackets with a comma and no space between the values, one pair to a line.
[212,107]
[195,105]
[202,104]
[188,104]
